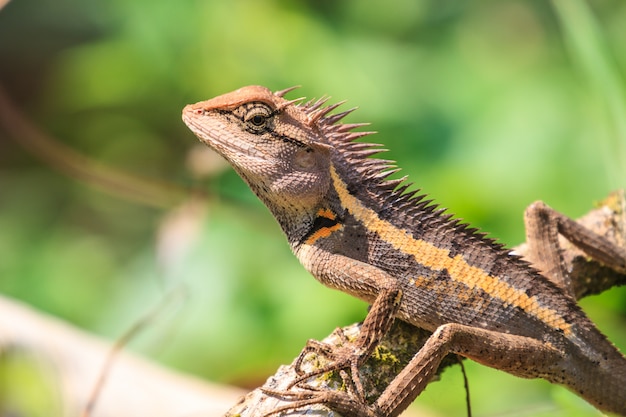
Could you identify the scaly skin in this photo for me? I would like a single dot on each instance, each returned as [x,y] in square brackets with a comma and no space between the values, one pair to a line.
[363,234]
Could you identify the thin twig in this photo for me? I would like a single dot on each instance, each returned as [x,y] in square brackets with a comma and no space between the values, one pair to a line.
[135,329]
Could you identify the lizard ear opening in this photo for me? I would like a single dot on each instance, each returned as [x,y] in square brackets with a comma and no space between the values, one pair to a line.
[312,158]
[305,159]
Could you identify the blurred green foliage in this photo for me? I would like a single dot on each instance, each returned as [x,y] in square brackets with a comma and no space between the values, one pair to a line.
[486,105]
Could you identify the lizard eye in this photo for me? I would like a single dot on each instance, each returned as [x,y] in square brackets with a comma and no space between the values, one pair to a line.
[258,118]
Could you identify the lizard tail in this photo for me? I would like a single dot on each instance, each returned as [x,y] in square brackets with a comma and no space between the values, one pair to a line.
[600,381]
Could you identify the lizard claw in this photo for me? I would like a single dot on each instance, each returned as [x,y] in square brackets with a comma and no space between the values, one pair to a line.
[341,401]
[303,398]
[341,359]
[320,348]
[312,346]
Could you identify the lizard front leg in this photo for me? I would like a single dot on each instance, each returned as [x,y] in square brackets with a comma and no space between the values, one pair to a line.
[352,355]
[365,280]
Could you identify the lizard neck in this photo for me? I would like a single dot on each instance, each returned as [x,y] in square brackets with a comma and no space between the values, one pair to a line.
[296,223]
[297,204]
[306,224]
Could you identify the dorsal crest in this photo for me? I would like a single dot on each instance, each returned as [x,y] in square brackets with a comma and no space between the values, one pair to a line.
[344,137]
[373,173]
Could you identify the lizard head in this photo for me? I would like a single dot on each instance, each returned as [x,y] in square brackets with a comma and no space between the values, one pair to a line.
[284,149]
[273,144]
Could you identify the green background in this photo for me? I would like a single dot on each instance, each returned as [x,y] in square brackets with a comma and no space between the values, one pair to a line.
[486,105]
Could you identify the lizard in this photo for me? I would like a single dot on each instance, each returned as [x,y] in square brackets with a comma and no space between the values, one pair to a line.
[358,230]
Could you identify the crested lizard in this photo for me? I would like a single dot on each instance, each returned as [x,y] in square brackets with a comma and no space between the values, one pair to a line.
[358,231]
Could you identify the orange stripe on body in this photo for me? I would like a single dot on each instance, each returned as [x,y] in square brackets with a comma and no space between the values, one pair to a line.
[439,259]
[324,212]
[324,231]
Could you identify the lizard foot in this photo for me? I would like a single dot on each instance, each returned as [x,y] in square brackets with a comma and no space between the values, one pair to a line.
[320,348]
[343,402]
[346,356]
